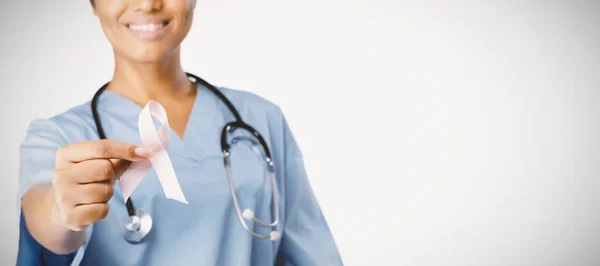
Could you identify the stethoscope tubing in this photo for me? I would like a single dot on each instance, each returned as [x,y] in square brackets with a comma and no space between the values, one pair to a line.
[145,220]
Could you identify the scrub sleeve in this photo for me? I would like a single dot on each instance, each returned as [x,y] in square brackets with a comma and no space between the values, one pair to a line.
[37,162]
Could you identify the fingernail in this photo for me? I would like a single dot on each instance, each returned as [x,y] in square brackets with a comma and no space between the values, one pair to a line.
[142,152]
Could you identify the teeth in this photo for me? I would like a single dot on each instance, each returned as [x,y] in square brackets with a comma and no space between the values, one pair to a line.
[145,27]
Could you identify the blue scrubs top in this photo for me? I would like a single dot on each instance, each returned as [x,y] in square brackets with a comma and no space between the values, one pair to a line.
[206,231]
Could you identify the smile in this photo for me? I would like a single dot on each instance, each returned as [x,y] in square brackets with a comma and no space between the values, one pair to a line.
[145,27]
[148,29]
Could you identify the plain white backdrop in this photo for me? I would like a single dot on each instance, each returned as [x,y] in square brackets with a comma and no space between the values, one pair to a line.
[448,133]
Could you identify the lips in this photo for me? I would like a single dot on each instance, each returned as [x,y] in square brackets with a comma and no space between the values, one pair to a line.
[148,28]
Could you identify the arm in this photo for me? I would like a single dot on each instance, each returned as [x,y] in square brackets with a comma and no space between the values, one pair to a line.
[36,194]
[306,239]
[66,188]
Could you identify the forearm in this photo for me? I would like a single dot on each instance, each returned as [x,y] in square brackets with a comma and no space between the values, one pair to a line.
[44,224]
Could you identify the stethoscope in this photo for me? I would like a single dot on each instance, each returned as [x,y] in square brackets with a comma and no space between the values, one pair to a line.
[139,223]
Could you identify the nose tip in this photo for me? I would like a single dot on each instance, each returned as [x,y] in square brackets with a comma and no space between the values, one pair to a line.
[149,5]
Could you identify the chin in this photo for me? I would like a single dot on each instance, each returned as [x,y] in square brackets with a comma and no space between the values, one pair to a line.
[148,55]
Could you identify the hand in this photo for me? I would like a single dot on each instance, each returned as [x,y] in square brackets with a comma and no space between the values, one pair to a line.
[84,177]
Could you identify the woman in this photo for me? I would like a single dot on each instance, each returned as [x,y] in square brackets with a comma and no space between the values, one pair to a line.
[69,196]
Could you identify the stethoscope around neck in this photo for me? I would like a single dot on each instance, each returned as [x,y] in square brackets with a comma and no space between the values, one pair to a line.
[139,223]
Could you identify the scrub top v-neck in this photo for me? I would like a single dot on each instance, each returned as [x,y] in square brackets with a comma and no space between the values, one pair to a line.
[207,230]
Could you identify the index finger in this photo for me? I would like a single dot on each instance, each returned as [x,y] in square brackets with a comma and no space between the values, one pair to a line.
[102,149]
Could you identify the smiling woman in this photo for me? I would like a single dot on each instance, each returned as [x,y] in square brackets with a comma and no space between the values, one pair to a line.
[72,203]
[138,31]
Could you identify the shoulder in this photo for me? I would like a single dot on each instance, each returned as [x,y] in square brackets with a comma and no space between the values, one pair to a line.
[252,106]
[268,118]
[261,113]
[73,124]
[246,99]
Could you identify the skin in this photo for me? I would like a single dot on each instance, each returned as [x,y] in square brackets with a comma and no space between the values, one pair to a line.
[58,214]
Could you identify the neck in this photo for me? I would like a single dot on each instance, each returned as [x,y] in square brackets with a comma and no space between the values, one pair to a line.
[162,81]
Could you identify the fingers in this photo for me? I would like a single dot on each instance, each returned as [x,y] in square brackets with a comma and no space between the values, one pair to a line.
[91,171]
[82,216]
[83,205]
[102,149]
[100,192]
[84,178]
[71,195]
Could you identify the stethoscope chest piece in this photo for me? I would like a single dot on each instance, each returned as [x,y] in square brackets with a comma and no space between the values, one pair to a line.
[137,227]
[139,224]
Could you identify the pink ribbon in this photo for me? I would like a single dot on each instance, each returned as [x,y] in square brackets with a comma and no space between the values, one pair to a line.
[158,142]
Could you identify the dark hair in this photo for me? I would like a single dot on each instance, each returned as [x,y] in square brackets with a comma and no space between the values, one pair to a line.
[92,2]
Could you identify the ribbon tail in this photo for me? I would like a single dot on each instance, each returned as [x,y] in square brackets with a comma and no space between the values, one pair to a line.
[133,176]
[166,176]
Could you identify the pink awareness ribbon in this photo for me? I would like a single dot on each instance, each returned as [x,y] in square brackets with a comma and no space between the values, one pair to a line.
[158,142]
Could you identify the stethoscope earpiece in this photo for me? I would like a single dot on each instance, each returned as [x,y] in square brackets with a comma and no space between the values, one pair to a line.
[274,235]
[248,214]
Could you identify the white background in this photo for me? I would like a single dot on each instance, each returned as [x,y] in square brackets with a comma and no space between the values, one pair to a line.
[448,133]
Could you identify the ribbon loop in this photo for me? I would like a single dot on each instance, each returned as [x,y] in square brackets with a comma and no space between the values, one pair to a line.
[157,141]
